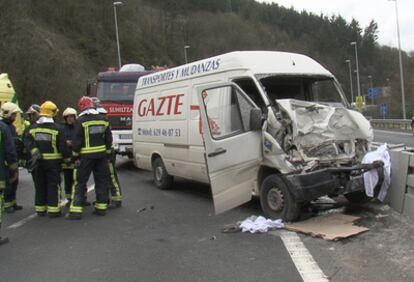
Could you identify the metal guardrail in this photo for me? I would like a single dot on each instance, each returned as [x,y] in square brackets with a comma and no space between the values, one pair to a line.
[395,124]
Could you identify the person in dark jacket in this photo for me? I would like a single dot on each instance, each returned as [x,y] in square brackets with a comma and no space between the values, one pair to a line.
[46,140]
[32,115]
[8,166]
[91,151]
[8,114]
[114,184]
[70,115]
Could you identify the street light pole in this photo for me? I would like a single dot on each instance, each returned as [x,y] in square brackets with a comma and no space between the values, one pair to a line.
[116,32]
[357,67]
[185,53]
[401,61]
[350,80]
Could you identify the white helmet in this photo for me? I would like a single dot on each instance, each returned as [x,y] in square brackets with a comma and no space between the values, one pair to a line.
[9,108]
[70,112]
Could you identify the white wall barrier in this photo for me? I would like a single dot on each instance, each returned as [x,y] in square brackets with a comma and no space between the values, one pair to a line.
[401,193]
[393,124]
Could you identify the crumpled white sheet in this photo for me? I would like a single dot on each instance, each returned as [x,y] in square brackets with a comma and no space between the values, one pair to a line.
[260,224]
[371,177]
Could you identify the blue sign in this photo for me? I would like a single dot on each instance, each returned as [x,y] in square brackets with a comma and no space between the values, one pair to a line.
[374,92]
[384,108]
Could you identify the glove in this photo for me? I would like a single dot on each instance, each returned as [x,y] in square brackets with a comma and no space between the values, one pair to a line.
[13,175]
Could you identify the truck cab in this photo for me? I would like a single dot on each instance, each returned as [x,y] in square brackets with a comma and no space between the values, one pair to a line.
[115,90]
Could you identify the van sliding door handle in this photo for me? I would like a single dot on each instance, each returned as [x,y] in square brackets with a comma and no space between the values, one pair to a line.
[217,152]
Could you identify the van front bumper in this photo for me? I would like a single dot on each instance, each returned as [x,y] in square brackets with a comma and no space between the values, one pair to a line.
[312,185]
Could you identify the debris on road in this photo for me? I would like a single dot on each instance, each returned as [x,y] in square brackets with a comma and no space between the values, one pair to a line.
[141,210]
[231,228]
[330,227]
[145,208]
[260,224]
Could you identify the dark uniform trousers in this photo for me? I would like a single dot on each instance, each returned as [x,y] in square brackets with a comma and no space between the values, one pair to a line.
[47,177]
[99,167]
[68,176]
[115,187]
[10,192]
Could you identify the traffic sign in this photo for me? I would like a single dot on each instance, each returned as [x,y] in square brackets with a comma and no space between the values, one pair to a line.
[384,109]
[360,104]
[374,92]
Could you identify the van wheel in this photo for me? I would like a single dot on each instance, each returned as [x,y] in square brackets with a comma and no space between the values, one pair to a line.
[358,197]
[277,201]
[162,179]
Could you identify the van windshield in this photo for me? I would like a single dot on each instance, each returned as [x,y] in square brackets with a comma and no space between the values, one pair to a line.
[109,91]
[323,90]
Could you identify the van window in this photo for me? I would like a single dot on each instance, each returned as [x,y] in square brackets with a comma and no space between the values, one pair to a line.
[228,111]
[249,87]
[313,89]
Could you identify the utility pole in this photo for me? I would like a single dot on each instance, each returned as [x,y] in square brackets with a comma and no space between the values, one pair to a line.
[401,61]
[350,80]
[116,32]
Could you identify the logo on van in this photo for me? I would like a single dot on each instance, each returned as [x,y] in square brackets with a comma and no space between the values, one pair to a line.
[160,106]
[181,72]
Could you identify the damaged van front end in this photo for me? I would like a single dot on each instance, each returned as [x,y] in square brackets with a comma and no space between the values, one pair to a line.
[317,147]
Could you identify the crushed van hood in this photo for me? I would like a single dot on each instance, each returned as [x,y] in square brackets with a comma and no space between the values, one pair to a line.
[323,132]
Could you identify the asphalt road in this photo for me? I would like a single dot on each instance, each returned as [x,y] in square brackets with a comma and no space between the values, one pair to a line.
[178,238]
[394,137]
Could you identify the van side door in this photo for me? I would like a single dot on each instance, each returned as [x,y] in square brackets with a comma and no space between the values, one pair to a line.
[232,138]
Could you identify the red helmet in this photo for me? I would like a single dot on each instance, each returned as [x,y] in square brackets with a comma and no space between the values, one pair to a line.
[85,103]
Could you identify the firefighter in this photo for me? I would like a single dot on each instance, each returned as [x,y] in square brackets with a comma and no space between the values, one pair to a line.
[69,115]
[32,115]
[45,139]
[114,185]
[91,151]
[9,113]
[7,155]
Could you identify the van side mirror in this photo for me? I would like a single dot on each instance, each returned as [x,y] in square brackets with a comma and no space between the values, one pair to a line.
[90,87]
[256,119]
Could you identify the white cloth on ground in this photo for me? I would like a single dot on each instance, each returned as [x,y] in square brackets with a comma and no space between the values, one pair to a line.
[260,224]
[371,177]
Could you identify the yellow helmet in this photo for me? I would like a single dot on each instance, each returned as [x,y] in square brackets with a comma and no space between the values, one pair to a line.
[70,112]
[9,108]
[48,109]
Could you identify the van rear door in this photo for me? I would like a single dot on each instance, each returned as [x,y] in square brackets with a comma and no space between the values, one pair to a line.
[233,149]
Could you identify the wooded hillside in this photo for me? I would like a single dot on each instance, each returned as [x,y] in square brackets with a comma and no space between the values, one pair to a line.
[51,47]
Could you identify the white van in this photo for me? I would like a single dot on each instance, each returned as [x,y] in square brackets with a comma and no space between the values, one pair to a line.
[272,124]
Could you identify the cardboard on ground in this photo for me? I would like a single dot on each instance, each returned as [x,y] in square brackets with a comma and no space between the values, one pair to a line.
[329,227]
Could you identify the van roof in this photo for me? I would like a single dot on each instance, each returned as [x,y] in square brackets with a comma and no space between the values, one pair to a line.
[259,62]
[115,76]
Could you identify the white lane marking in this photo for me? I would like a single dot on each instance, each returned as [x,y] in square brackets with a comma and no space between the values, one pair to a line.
[301,257]
[392,132]
[32,216]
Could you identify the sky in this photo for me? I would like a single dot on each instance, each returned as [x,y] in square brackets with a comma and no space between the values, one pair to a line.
[382,11]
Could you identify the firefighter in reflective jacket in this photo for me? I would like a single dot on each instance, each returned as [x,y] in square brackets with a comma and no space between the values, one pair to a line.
[68,166]
[114,185]
[9,113]
[7,156]
[91,150]
[45,139]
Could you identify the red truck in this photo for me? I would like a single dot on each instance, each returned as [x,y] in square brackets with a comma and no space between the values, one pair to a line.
[116,91]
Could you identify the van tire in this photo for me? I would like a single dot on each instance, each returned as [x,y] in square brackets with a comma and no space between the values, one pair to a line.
[162,179]
[276,200]
[358,197]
